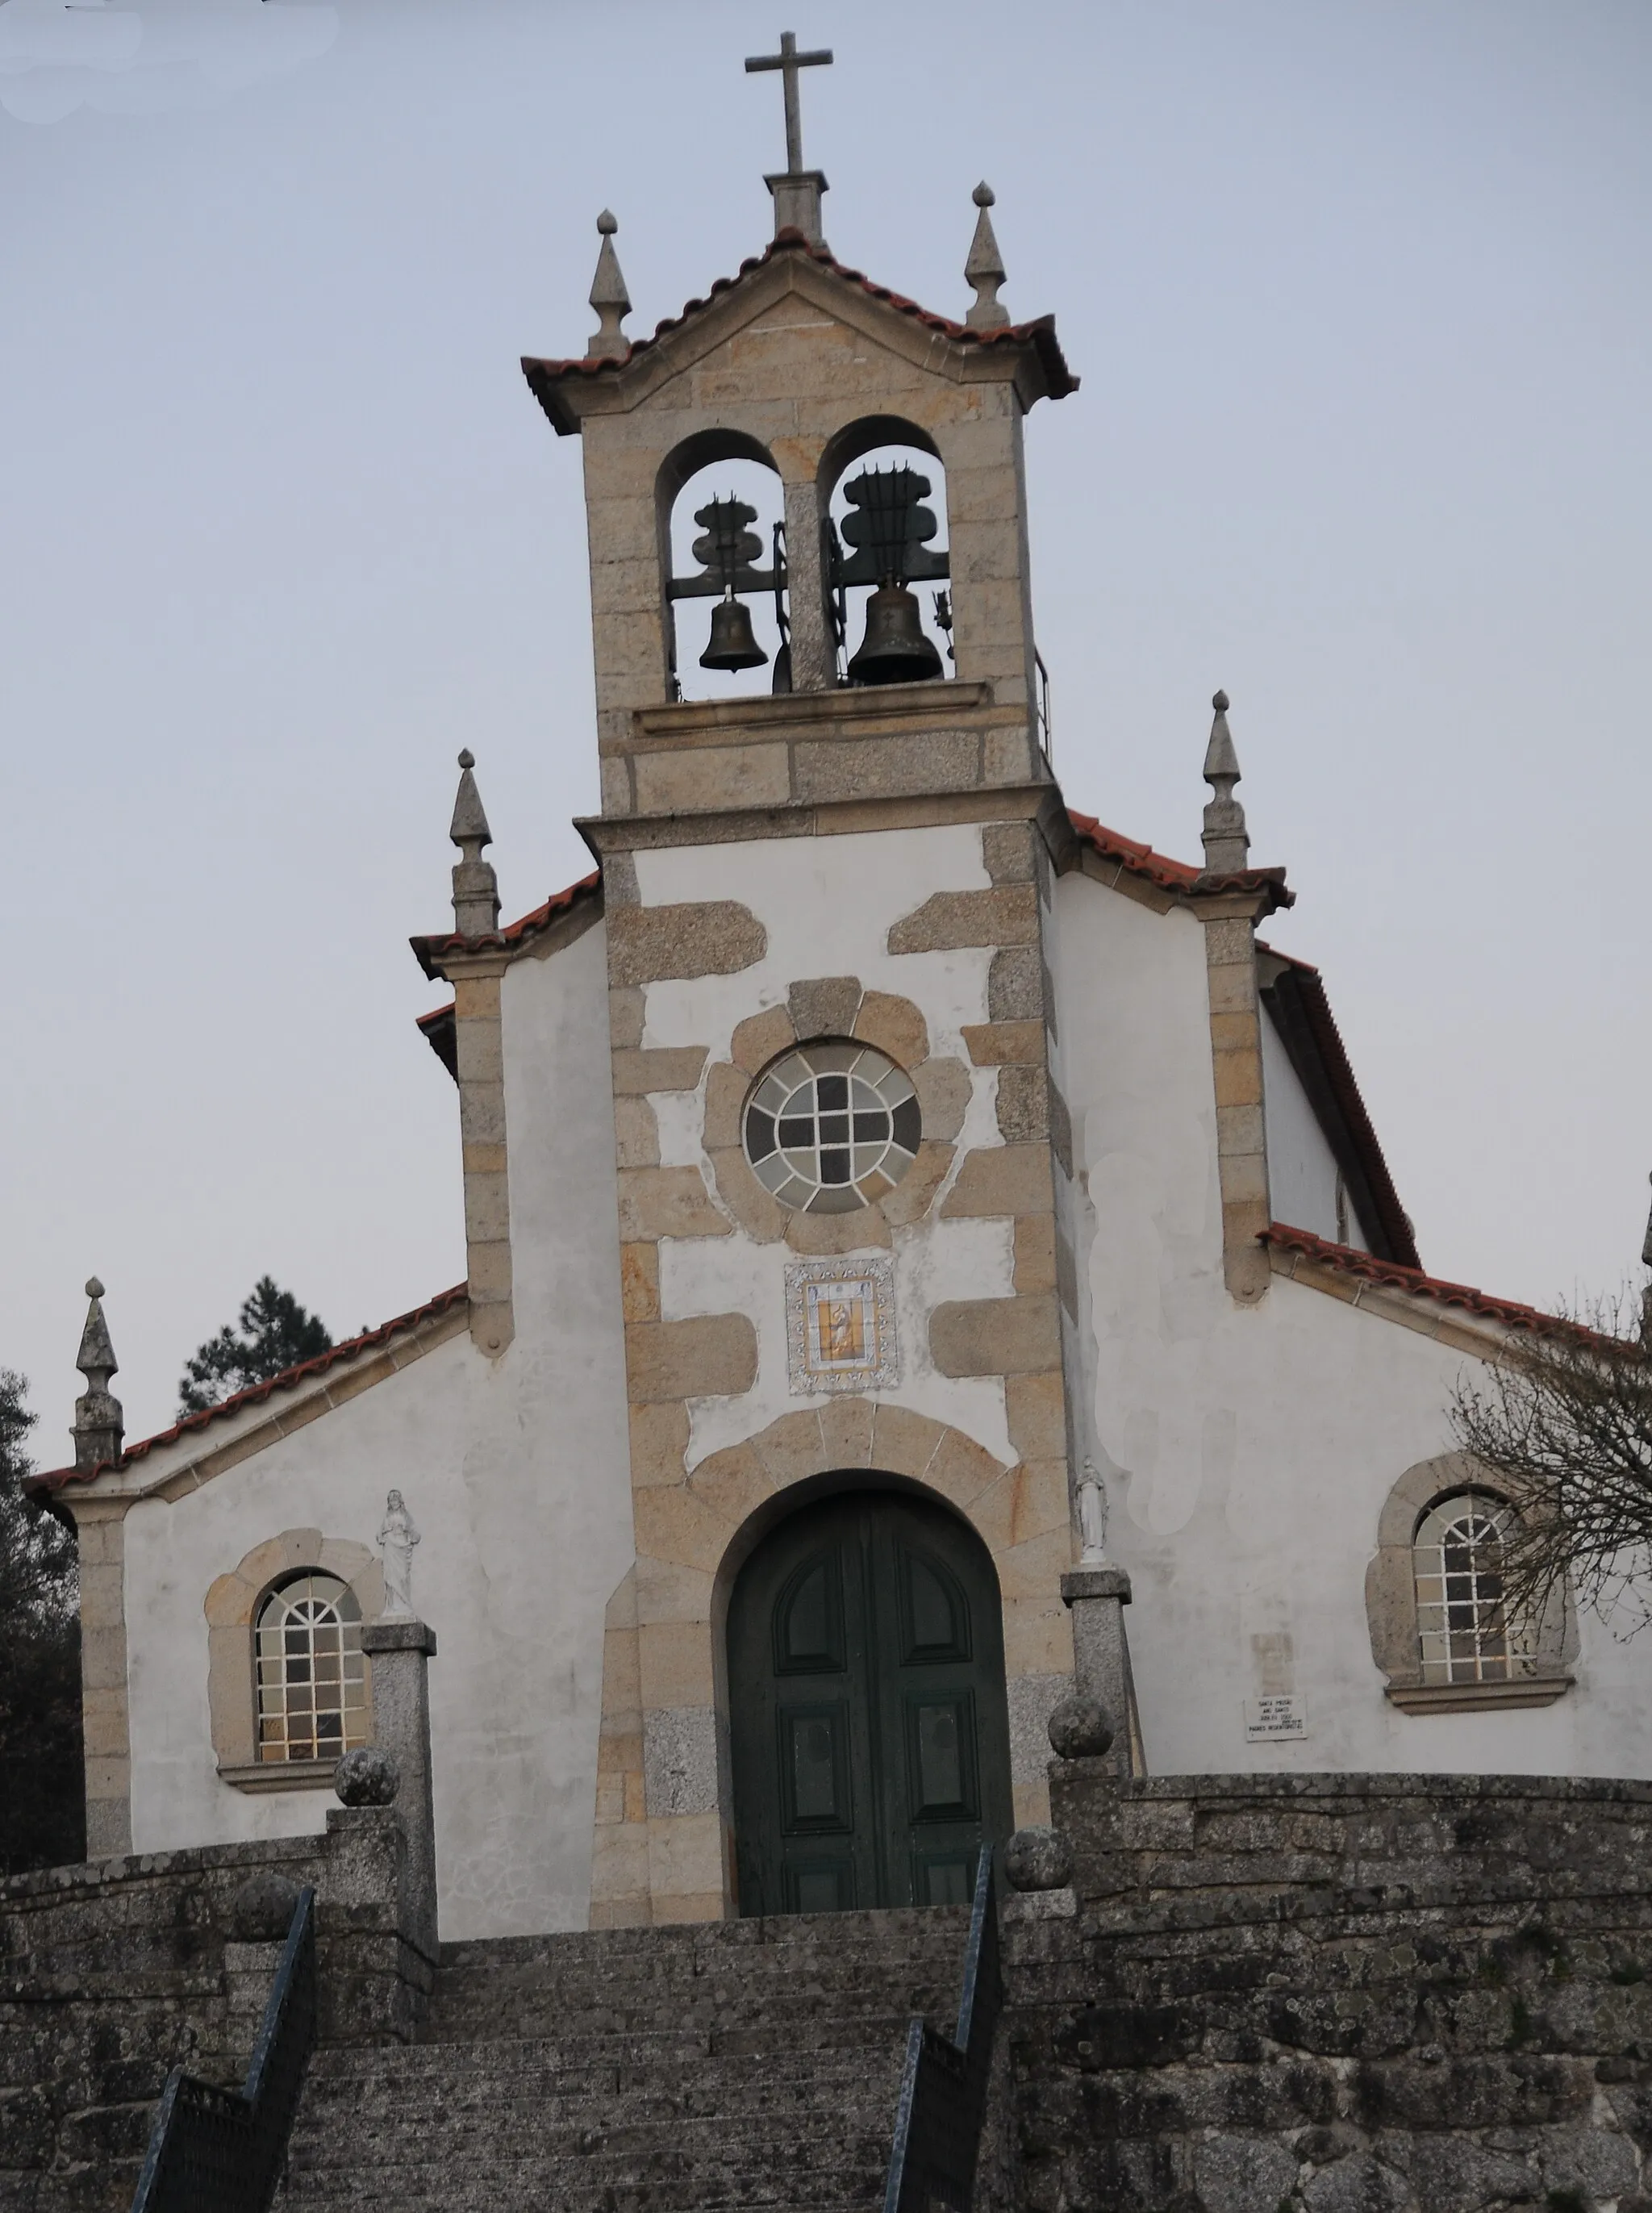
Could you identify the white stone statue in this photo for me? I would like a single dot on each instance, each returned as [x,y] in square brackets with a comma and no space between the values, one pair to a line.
[397,1539]
[1092,1518]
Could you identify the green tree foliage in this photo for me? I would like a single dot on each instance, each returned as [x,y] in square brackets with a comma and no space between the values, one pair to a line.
[275,1334]
[42,1803]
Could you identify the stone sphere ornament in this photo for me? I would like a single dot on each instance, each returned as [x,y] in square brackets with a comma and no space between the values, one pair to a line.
[261,1911]
[366,1777]
[1037,1859]
[1081,1728]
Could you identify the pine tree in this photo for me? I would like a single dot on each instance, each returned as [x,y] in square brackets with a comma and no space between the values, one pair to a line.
[275,1333]
[42,1803]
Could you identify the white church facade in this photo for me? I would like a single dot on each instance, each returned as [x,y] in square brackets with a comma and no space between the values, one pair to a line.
[887,1191]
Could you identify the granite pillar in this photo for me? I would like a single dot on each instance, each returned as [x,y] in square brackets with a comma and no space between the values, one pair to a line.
[1097,1597]
[399,1651]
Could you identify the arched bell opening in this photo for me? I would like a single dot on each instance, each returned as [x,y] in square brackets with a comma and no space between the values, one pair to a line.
[867,1724]
[722,569]
[886,548]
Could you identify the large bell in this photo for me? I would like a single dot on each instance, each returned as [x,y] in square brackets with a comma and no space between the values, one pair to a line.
[894,650]
[733,642]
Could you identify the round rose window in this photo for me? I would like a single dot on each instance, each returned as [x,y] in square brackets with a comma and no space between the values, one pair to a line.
[831,1127]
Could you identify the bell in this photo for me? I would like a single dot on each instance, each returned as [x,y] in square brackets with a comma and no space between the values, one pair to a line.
[732,642]
[894,650]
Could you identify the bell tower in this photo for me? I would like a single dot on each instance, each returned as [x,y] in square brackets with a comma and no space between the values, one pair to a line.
[844,1165]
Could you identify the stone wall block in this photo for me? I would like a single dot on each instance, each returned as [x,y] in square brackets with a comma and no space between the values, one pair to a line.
[961,1470]
[710,1355]
[1009,757]
[639,1282]
[995,1045]
[673,1523]
[658,1068]
[846,1432]
[726,1087]
[837,769]
[1015,991]
[1001,1180]
[914,1195]
[760,1038]
[626,1005]
[1035,1406]
[667,1202]
[733,1484]
[659,1442]
[757,1211]
[791,1447]
[943,1089]
[896,1026]
[824,1006]
[903,1442]
[1237,1078]
[702,938]
[1008,850]
[1023,1104]
[1007,915]
[828,1236]
[701,777]
[1034,1268]
[995,1337]
[637,1134]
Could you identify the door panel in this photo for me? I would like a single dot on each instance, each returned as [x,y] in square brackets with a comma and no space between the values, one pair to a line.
[870,1733]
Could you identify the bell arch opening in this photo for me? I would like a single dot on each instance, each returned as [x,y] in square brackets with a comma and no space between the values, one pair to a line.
[868,1733]
[723,570]
[888,559]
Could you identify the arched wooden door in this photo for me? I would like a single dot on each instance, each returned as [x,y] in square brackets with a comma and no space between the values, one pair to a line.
[869,1733]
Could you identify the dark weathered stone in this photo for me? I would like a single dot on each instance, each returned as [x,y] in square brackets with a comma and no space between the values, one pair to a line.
[263,1907]
[1037,1859]
[1081,1729]
[366,1777]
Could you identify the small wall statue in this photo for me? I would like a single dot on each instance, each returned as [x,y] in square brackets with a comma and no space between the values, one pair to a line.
[397,1538]
[1092,1518]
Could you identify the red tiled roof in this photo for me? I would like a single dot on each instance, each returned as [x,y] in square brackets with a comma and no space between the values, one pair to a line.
[1138,860]
[55,1478]
[431,949]
[1351,1262]
[543,376]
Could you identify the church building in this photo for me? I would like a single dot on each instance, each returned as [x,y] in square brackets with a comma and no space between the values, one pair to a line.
[900,1212]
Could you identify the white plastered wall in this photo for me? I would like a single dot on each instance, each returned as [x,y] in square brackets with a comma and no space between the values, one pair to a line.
[827,905]
[1302,1173]
[1248,1451]
[516,1473]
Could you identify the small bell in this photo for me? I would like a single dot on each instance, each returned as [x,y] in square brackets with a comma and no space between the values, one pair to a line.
[894,650]
[732,642]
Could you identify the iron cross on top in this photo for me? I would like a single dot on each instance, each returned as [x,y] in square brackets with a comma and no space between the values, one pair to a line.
[789,61]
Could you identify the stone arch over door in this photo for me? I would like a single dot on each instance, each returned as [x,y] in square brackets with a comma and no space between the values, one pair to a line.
[664,1844]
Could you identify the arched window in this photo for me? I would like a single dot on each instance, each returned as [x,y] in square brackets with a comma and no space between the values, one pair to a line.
[1462,1624]
[312,1678]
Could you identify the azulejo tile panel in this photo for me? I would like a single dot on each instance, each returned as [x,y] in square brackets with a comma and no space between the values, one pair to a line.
[840,1327]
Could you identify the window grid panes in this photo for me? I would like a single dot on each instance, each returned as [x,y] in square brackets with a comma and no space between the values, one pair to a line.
[832,1127]
[312,1678]
[1461,1622]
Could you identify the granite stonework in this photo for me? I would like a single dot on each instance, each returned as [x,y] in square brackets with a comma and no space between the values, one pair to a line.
[1335,1993]
[112,1973]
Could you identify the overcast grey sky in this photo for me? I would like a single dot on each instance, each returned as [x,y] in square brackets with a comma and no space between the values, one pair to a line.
[1359,296]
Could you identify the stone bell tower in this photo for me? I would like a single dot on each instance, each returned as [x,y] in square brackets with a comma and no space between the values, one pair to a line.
[844,1160]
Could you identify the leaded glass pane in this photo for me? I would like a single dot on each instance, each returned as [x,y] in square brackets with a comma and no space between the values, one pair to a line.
[831,1127]
[311,1679]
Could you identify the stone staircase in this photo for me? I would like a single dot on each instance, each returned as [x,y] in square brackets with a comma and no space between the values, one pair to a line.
[639,2070]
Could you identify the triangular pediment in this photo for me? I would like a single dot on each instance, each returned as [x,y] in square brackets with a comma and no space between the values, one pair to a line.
[1026,354]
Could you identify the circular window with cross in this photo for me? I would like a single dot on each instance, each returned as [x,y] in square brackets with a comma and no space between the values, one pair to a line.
[832,1126]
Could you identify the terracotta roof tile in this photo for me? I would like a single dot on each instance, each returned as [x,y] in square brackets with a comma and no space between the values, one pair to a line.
[1349,1261]
[543,376]
[431,950]
[368,1341]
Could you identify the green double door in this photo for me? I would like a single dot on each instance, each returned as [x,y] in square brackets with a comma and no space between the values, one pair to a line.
[870,1739]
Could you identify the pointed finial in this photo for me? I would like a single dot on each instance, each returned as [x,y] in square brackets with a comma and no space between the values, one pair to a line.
[99,1423]
[609,298]
[1226,842]
[475,886]
[985,269]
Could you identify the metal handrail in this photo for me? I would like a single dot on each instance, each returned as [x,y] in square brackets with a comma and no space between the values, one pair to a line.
[213,2151]
[943,2106]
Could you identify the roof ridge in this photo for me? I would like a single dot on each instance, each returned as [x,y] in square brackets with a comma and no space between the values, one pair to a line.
[54,1479]
[1395,1275]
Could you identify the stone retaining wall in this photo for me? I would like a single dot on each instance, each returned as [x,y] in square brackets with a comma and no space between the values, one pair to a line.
[112,1973]
[1337,1994]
